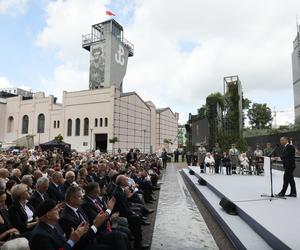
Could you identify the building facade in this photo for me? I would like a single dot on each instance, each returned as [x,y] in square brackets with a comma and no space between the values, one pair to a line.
[296,74]
[89,119]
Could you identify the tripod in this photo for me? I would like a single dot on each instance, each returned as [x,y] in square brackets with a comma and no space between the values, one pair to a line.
[272,196]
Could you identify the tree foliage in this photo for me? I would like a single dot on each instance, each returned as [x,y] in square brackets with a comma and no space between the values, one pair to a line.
[59,138]
[260,116]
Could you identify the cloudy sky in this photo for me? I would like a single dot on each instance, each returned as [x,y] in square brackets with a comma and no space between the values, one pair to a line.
[183,49]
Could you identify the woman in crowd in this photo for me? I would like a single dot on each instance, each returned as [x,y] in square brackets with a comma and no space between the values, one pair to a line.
[21,214]
[7,232]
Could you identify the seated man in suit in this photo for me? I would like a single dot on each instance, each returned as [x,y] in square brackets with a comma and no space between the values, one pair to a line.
[40,193]
[55,190]
[47,235]
[73,215]
[122,206]
[92,206]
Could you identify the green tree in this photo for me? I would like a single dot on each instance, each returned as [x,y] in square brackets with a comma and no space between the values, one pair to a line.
[58,138]
[260,116]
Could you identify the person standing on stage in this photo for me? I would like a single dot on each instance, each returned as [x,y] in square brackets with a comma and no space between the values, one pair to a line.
[164,157]
[288,159]
[268,150]
[201,157]
[217,154]
[234,158]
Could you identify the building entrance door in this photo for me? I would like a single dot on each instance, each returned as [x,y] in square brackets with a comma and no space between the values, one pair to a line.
[101,142]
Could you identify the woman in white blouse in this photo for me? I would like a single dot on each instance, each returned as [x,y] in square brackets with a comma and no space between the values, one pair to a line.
[210,162]
[20,212]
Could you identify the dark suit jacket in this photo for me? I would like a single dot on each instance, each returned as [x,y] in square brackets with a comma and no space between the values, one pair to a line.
[68,220]
[122,204]
[56,193]
[288,157]
[92,210]
[18,216]
[43,237]
[36,199]
[7,224]
[131,157]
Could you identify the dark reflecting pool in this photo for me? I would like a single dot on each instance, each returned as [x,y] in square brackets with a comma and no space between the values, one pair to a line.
[179,224]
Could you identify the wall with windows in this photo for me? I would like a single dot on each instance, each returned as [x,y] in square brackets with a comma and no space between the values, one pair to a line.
[87,113]
[34,116]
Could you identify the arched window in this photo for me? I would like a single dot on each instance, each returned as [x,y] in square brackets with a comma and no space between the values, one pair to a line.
[96,122]
[25,123]
[41,123]
[106,122]
[58,123]
[77,127]
[101,122]
[10,124]
[86,127]
[69,128]
[54,124]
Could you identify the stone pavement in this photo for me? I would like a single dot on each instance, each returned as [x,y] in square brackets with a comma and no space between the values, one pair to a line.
[179,224]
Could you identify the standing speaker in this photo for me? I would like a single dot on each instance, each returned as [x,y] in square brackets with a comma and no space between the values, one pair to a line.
[228,206]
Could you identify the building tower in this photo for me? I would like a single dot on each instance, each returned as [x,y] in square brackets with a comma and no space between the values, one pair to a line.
[109,52]
[296,73]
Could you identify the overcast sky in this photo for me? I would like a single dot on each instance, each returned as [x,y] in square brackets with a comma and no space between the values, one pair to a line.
[183,49]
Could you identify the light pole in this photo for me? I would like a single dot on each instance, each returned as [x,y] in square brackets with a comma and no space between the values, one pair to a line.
[91,139]
[144,140]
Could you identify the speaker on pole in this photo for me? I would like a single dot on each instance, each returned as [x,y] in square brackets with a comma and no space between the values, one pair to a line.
[228,206]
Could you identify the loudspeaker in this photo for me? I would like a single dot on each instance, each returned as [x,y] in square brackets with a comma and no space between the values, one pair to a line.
[228,206]
[191,172]
[202,182]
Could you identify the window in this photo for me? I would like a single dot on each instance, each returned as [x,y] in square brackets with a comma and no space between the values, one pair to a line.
[58,123]
[96,122]
[41,123]
[101,122]
[10,124]
[25,123]
[54,124]
[106,122]
[69,128]
[86,127]
[77,127]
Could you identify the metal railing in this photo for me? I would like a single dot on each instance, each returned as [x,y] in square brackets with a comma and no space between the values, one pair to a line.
[89,39]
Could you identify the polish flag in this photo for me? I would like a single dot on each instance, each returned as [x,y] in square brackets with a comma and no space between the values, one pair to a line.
[109,13]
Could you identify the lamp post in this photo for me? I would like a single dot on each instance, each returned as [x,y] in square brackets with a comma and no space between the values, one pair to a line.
[91,139]
[144,140]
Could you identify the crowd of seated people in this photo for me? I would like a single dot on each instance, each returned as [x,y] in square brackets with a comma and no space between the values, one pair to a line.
[231,161]
[69,200]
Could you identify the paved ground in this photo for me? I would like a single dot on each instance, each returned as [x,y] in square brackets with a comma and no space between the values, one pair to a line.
[179,224]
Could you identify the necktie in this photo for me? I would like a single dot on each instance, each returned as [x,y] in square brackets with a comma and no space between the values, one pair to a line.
[80,216]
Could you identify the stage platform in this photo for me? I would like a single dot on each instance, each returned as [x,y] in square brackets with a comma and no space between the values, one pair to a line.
[261,223]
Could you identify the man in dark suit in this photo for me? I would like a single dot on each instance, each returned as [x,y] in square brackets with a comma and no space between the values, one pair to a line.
[55,190]
[40,193]
[131,157]
[73,215]
[47,235]
[122,206]
[288,159]
[91,206]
